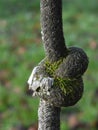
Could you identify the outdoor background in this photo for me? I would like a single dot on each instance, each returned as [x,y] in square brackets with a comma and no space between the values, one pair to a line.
[21,49]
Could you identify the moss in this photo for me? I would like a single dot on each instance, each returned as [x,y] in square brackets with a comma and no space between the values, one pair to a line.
[65,84]
[51,67]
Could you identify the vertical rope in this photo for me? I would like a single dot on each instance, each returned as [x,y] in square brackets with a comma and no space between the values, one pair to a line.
[51,26]
[49,116]
[54,44]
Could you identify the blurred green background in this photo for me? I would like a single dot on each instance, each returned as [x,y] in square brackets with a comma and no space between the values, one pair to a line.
[21,49]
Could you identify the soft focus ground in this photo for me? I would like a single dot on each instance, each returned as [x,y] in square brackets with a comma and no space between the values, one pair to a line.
[21,49]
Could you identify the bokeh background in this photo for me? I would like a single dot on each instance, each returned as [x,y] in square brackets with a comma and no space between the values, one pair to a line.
[21,49]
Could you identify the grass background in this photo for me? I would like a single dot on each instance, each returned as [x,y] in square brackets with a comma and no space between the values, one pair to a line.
[21,49]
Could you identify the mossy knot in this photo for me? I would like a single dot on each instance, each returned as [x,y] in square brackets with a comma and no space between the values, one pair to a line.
[60,83]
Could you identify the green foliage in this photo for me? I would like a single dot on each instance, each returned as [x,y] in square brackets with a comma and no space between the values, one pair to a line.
[21,50]
[11,7]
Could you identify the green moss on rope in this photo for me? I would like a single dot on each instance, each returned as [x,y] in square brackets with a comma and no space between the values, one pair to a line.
[68,86]
[51,67]
[65,84]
